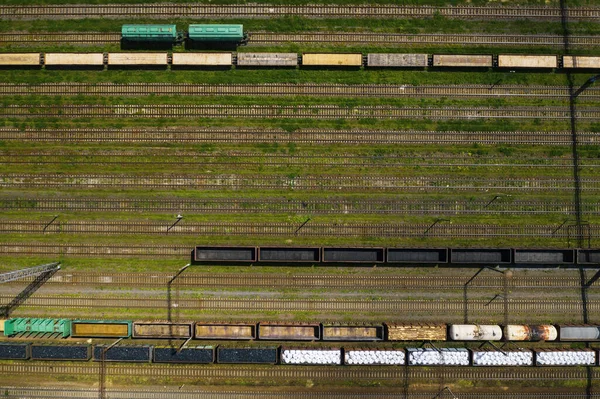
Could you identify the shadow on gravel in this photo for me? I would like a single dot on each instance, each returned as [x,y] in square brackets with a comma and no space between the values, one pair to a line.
[5,311]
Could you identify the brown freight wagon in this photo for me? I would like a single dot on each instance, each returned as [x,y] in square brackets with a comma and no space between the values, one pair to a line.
[353,332]
[99,329]
[162,330]
[291,331]
[225,331]
[416,332]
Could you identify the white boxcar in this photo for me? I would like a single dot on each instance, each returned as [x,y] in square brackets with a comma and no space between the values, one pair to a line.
[20,59]
[527,61]
[74,59]
[137,58]
[347,60]
[208,59]
[578,61]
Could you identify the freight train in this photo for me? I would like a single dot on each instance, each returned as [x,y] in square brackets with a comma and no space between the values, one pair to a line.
[197,35]
[355,61]
[225,354]
[336,256]
[285,331]
[307,354]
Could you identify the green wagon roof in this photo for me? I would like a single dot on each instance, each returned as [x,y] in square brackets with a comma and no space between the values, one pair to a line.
[216,32]
[149,32]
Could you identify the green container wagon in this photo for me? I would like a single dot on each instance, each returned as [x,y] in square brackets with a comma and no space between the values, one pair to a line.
[35,325]
[216,33]
[150,33]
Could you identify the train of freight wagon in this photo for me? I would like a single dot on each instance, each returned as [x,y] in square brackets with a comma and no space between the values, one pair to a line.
[291,331]
[229,36]
[311,352]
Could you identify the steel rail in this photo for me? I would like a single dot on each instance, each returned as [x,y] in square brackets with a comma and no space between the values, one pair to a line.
[233,393]
[169,10]
[362,281]
[304,206]
[324,112]
[144,251]
[261,37]
[304,372]
[288,89]
[248,160]
[98,227]
[442,306]
[338,183]
[325,136]
[437,39]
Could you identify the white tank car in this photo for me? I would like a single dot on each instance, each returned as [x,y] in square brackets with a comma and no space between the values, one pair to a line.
[475,332]
[518,332]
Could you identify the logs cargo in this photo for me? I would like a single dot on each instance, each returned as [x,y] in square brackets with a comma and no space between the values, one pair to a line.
[353,332]
[162,330]
[463,61]
[295,331]
[416,332]
[238,331]
[99,329]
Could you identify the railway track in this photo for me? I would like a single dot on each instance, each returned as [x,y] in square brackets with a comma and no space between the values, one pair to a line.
[249,160]
[69,38]
[321,136]
[324,112]
[287,89]
[173,393]
[288,229]
[286,205]
[479,39]
[169,10]
[444,306]
[155,251]
[359,38]
[331,183]
[362,281]
[360,373]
